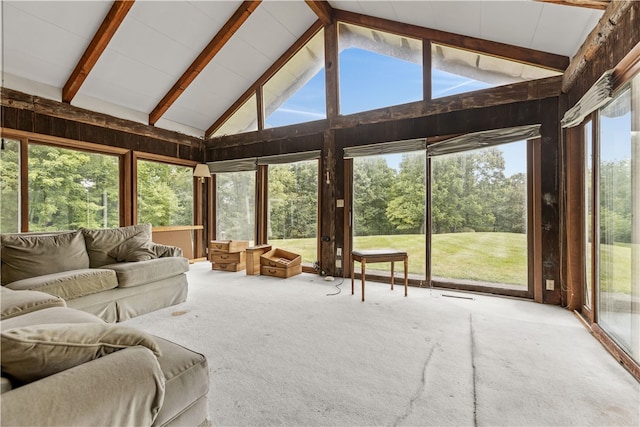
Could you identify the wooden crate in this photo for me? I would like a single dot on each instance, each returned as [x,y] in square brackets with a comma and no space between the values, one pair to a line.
[227,257]
[228,266]
[280,258]
[253,258]
[228,245]
[282,272]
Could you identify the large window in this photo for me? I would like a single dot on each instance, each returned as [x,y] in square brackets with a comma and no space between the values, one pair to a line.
[293,208]
[10,186]
[69,189]
[457,71]
[389,207]
[296,93]
[618,252]
[165,193]
[377,69]
[235,206]
[479,217]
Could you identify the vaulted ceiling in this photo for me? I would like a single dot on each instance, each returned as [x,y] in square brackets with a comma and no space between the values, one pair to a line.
[181,65]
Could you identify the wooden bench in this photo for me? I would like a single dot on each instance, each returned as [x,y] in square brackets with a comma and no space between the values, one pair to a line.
[379,255]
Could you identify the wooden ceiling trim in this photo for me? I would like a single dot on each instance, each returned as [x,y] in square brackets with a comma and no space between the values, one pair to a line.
[322,9]
[98,44]
[215,45]
[299,44]
[590,4]
[515,53]
[594,41]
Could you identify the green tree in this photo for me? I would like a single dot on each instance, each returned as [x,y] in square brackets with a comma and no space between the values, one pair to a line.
[235,205]
[9,186]
[372,180]
[165,194]
[406,209]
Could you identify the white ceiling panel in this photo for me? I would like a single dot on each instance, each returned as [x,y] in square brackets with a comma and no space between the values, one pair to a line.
[42,43]
[510,22]
[296,17]
[561,30]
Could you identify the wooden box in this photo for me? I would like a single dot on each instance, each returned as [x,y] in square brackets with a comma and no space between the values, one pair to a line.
[280,258]
[282,272]
[253,258]
[228,245]
[227,257]
[228,266]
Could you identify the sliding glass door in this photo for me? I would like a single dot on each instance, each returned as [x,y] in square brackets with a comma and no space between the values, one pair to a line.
[618,252]
[479,217]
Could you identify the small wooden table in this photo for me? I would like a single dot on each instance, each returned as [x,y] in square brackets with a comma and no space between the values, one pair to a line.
[379,255]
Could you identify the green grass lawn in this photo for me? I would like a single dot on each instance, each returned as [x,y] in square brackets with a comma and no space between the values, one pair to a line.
[487,257]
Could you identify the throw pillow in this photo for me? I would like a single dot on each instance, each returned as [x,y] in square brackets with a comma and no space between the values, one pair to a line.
[101,241]
[38,351]
[133,250]
[29,255]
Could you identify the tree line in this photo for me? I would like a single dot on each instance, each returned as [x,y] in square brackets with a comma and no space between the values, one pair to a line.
[69,189]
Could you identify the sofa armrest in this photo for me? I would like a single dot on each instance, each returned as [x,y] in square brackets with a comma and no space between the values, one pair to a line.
[132,274]
[163,251]
[125,388]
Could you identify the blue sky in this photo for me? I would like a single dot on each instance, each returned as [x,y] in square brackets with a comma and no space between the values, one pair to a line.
[368,81]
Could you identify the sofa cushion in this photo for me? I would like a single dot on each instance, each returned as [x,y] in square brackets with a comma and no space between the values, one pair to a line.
[17,303]
[133,249]
[25,255]
[35,352]
[49,316]
[186,376]
[139,273]
[101,241]
[70,284]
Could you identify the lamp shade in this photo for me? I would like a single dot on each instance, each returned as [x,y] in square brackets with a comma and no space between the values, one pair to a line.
[201,171]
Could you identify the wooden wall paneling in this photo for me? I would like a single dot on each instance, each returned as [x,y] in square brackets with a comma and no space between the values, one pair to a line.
[550,197]
[331,65]
[24,185]
[199,196]
[574,215]
[127,171]
[328,205]
[535,223]
[262,204]
[134,188]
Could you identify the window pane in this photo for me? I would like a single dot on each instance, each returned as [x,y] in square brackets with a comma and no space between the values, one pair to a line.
[619,248]
[389,208]
[479,216]
[235,206]
[293,208]
[457,71]
[243,120]
[165,194]
[588,218]
[296,93]
[69,189]
[10,186]
[377,69]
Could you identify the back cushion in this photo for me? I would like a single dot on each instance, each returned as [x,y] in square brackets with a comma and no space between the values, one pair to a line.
[24,256]
[101,241]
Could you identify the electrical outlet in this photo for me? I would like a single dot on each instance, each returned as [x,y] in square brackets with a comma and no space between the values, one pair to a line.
[550,284]
[339,252]
[338,263]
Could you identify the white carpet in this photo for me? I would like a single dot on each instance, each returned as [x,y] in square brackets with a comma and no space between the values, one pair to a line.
[282,352]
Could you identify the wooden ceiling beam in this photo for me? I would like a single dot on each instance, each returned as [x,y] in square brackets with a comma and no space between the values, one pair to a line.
[322,9]
[299,44]
[101,39]
[515,53]
[595,40]
[590,4]
[215,45]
